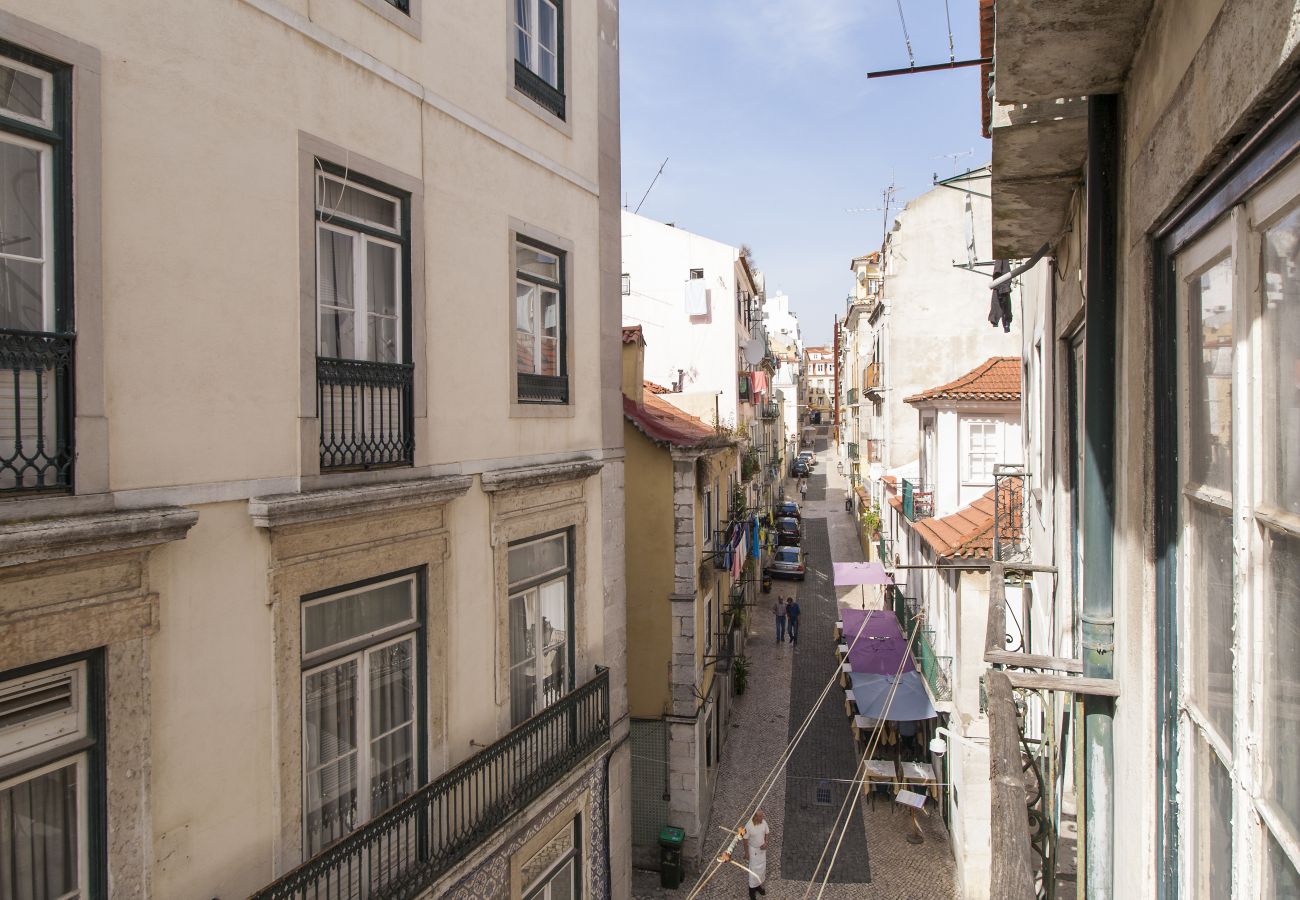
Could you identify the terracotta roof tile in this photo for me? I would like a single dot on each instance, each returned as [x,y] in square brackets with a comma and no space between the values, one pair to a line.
[968,533]
[994,379]
[664,423]
[632,333]
[656,388]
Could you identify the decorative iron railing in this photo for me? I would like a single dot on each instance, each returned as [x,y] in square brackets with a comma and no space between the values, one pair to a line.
[937,670]
[1010,537]
[403,851]
[535,87]
[770,411]
[365,411]
[36,450]
[543,388]
[918,502]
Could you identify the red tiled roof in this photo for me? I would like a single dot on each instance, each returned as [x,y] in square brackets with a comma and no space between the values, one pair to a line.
[968,533]
[632,333]
[664,423]
[656,388]
[994,379]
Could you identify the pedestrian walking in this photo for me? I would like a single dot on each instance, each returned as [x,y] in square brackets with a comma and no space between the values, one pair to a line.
[756,853]
[778,610]
[792,620]
[803,489]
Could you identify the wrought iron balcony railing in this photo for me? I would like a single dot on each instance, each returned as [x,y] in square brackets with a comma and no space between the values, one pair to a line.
[36,414]
[918,502]
[403,851]
[937,670]
[770,410]
[365,411]
[1010,537]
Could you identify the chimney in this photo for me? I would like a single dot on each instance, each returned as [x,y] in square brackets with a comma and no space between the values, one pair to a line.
[634,364]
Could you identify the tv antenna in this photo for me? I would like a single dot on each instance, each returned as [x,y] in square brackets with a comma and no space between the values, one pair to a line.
[953,157]
[652,184]
[887,198]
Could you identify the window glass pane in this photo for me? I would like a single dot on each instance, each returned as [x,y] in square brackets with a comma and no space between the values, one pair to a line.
[536,558]
[334,289]
[555,628]
[381,278]
[1283,879]
[525,328]
[22,295]
[1209,382]
[546,67]
[1281,706]
[39,853]
[334,196]
[523,627]
[23,93]
[541,861]
[330,754]
[560,885]
[383,340]
[22,213]
[392,710]
[1213,855]
[550,361]
[1281,293]
[546,27]
[523,692]
[521,14]
[352,616]
[1209,614]
[539,263]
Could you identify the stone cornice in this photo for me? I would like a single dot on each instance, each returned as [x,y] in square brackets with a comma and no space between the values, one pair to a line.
[314,506]
[536,476]
[39,540]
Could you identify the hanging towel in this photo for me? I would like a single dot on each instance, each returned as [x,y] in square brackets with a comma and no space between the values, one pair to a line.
[758,382]
[697,298]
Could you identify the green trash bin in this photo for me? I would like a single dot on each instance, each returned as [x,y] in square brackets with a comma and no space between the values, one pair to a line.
[671,839]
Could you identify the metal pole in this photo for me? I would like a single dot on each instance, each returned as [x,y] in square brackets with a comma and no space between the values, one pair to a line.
[1098,614]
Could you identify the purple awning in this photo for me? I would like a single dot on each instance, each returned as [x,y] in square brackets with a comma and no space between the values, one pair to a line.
[880,648]
[851,573]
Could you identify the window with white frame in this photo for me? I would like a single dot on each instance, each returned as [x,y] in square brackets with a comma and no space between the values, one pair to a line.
[983,441]
[539,52]
[541,612]
[554,872]
[48,754]
[360,745]
[708,516]
[1238,619]
[540,348]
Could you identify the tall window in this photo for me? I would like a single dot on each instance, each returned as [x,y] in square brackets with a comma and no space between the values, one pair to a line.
[554,872]
[540,328]
[49,751]
[363,277]
[541,613]
[1238,712]
[539,52]
[359,700]
[708,517]
[983,445]
[36,341]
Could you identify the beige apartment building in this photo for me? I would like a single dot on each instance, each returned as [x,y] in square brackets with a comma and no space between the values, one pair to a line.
[311,542]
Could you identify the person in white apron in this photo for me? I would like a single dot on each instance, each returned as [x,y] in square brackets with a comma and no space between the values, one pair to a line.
[756,853]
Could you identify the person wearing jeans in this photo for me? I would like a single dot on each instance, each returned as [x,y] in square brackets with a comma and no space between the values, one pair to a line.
[778,610]
[792,620]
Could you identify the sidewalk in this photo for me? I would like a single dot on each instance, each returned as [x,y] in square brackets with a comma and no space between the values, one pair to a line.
[875,859]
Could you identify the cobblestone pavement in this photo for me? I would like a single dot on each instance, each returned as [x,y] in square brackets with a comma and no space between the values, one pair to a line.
[761,724]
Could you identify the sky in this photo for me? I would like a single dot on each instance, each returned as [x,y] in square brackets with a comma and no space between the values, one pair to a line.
[772,129]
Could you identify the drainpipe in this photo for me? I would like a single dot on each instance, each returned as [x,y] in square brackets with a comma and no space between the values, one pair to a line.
[1098,612]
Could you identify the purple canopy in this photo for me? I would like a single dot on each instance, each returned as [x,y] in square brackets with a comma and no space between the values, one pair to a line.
[849,573]
[880,649]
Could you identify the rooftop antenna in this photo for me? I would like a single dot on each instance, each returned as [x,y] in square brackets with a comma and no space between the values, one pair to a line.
[886,198]
[953,157]
[652,184]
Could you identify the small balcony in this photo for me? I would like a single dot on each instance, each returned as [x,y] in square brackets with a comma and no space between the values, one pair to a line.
[853,396]
[853,451]
[36,449]
[365,411]
[873,378]
[406,849]
[770,410]
[937,670]
[918,500]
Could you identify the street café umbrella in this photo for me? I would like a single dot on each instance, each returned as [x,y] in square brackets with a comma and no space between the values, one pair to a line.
[910,702]
[876,643]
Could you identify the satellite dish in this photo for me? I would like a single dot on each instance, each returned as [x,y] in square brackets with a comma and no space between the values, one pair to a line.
[862,276]
[754,352]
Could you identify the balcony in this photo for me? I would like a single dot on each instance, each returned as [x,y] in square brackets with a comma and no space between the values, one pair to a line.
[873,378]
[365,411]
[36,449]
[770,410]
[853,451]
[403,851]
[875,451]
[853,396]
[937,670]
[918,502]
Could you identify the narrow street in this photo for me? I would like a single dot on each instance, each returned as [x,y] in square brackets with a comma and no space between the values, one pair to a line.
[874,859]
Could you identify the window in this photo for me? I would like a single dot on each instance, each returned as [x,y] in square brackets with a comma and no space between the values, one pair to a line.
[539,52]
[1237,303]
[540,327]
[49,751]
[708,516]
[626,287]
[697,273]
[541,610]
[360,692]
[36,340]
[363,377]
[554,871]
[983,446]
[708,623]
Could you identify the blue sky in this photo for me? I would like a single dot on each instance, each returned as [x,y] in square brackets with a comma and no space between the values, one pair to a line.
[772,128]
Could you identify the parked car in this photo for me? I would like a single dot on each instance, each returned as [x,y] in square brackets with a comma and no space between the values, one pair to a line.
[799,469]
[787,509]
[808,458]
[787,531]
[787,562]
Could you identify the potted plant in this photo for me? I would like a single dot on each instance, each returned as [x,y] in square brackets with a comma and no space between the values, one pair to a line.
[871,521]
[740,669]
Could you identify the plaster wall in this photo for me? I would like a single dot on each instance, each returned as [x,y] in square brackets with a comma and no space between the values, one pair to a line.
[659,259]
[649,529]
[935,320]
